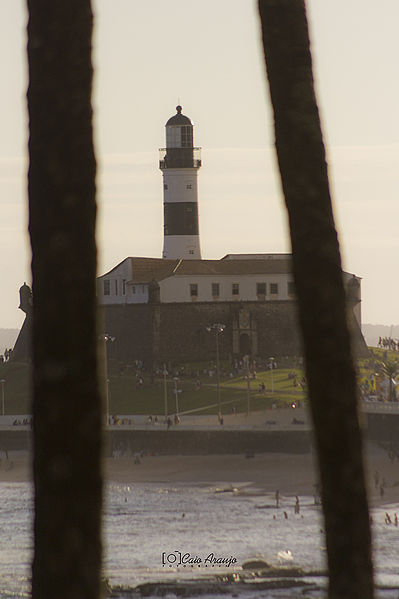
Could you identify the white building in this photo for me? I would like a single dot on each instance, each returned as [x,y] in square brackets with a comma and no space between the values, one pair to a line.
[236,277]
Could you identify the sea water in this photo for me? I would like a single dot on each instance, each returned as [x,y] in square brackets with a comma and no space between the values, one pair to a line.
[168,532]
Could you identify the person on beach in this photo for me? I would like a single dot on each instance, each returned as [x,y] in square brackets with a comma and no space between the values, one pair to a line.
[277,497]
[297,507]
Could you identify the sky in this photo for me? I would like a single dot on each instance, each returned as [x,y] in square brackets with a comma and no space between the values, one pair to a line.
[207,56]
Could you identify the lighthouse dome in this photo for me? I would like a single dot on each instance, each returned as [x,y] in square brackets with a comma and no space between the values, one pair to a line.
[179,119]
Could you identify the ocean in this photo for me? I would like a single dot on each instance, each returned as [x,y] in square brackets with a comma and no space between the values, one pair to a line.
[168,534]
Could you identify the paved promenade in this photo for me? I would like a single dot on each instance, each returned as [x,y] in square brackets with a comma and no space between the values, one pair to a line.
[272,419]
[277,419]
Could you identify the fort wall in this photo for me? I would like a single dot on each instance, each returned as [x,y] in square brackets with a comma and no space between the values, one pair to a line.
[156,332]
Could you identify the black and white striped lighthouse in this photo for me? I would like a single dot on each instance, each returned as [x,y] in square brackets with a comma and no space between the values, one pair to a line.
[179,163]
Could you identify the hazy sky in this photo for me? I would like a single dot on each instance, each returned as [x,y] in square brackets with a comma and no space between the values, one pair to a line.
[148,56]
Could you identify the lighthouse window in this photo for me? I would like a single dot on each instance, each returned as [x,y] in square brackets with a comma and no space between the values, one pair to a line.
[107,287]
[193,289]
[186,137]
[235,289]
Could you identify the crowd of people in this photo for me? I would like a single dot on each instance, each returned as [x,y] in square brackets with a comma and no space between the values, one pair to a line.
[23,422]
[388,343]
[6,356]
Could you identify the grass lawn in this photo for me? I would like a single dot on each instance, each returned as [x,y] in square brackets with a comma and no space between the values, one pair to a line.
[126,398]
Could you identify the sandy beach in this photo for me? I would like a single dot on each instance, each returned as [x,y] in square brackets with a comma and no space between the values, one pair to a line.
[290,474]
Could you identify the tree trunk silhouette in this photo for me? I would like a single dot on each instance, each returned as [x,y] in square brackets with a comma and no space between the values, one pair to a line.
[321,297]
[66,399]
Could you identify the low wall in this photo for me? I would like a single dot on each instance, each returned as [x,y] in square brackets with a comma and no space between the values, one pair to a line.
[181,442]
[15,439]
[382,427]
[189,442]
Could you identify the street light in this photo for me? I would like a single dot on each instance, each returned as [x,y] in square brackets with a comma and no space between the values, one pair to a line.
[165,391]
[176,380]
[106,338]
[272,362]
[218,328]
[3,382]
[246,359]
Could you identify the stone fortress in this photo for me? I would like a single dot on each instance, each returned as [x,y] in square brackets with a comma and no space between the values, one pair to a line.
[158,309]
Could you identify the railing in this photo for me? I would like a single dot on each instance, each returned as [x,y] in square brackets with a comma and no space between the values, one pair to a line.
[381,407]
[179,158]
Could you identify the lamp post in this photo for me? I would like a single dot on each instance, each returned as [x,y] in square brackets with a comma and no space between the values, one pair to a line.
[176,380]
[3,382]
[248,385]
[165,391]
[218,328]
[106,338]
[272,362]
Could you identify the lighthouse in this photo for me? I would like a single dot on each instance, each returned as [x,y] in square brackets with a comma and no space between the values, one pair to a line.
[179,163]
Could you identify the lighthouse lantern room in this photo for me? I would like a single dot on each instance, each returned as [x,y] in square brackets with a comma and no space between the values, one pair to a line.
[179,163]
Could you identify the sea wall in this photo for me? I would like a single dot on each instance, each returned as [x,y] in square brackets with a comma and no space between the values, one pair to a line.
[382,427]
[188,442]
[15,439]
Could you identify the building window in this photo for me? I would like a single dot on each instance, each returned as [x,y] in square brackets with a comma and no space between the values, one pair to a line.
[260,288]
[273,288]
[107,287]
[193,289]
[235,289]
[116,286]
[291,288]
[134,289]
[165,186]
[189,186]
[191,251]
[215,290]
[123,286]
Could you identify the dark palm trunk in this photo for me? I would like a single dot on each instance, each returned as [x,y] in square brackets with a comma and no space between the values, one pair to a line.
[66,401]
[321,297]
